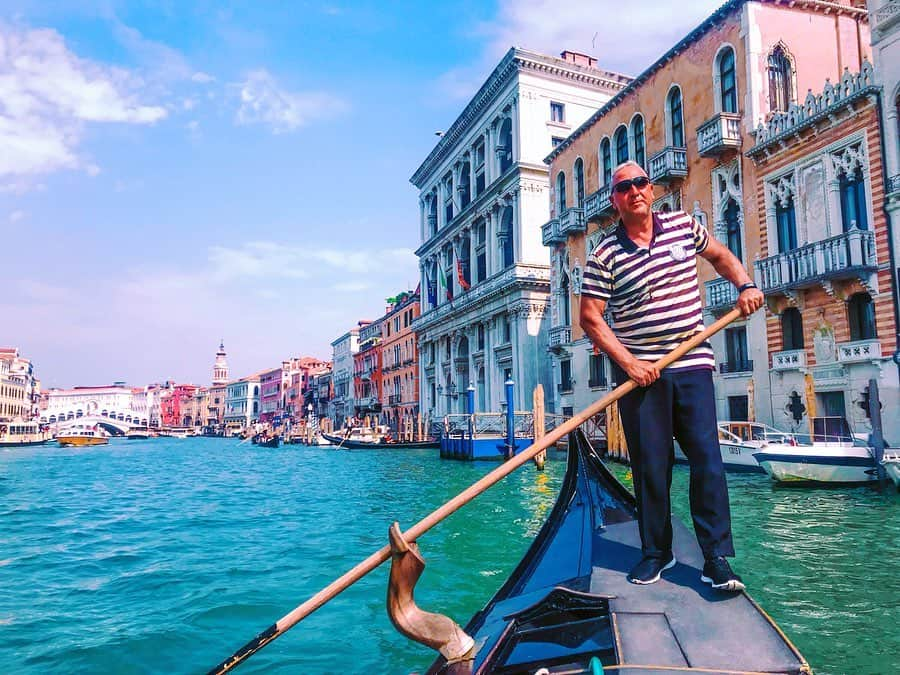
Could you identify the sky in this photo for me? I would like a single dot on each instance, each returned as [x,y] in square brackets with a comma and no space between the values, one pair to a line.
[175,173]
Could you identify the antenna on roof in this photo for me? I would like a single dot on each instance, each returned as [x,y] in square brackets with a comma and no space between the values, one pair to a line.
[594,41]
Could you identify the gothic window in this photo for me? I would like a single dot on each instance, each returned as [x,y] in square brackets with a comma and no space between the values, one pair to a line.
[861,311]
[637,135]
[853,201]
[786,223]
[606,161]
[779,70]
[727,81]
[733,229]
[676,118]
[565,313]
[560,192]
[578,174]
[791,329]
[621,139]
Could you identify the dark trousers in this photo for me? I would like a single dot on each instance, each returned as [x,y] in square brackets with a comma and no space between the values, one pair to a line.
[679,404]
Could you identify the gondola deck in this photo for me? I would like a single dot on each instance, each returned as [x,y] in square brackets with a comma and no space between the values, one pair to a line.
[568,601]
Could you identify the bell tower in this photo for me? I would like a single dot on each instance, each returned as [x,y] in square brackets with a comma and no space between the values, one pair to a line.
[220,369]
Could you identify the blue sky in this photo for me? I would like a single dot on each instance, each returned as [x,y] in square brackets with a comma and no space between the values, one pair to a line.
[173,173]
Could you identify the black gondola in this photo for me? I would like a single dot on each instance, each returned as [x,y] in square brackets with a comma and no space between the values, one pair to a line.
[568,608]
[370,445]
[267,441]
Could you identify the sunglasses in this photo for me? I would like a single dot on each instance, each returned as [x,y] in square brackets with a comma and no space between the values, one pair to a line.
[623,186]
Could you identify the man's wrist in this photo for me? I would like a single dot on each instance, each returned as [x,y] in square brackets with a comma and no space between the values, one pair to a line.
[748,285]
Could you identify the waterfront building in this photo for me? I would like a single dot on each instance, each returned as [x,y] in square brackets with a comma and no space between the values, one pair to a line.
[242,402]
[690,119]
[139,406]
[20,390]
[270,396]
[342,403]
[196,408]
[174,405]
[322,394]
[298,384]
[400,359]
[215,416]
[367,371]
[884,17]
[482,198]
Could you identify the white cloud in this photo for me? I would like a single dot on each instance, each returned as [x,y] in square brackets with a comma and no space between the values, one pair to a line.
[263,101]
[352,286]
[202,78]
[16,216]
[48,94]
[626,45]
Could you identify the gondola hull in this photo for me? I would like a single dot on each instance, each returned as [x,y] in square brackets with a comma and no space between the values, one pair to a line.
[568,601]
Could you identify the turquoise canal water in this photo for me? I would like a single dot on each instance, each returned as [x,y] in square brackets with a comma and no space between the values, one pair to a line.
[165,555]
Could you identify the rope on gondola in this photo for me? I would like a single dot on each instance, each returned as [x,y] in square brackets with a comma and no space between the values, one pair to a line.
[349,578]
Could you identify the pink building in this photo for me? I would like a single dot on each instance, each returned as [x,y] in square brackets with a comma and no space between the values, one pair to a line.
[270,394]
[298,376]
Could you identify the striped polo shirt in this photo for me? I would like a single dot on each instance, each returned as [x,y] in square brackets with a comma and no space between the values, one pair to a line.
[653,292]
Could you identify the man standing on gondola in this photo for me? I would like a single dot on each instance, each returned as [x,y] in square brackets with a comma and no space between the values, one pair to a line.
[645,270]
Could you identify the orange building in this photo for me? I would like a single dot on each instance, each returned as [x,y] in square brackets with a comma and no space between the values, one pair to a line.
[400,359]
[692,119]
[175,405]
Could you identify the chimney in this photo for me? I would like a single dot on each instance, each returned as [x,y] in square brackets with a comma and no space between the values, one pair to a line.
[579,59]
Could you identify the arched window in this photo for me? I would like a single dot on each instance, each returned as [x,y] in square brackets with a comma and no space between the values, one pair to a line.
[578,174]
[504,148]
[565,312]
[861,311]
[786,224]
[621,139]
[506,227]
[727,81]
[853,201]
[676,118]
[606,161]
[637,135]
[779,80]
[791,329]
[560,192]
[733,229]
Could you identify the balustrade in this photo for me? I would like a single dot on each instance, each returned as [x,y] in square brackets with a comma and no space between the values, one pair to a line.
[668,164]
[859,351]
[718,134]
[571,221]
[721,295]
[597,203]
[792,359]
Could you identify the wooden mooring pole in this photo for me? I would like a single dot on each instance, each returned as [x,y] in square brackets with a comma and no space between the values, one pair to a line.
[539,425]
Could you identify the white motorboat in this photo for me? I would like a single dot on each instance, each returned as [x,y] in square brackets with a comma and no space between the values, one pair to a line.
[832,456]
[739,441]
[891,464]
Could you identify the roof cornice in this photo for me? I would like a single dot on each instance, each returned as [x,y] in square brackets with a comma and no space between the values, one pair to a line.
[516,60]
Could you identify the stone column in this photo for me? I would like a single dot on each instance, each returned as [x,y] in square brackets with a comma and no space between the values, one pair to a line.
[514,115]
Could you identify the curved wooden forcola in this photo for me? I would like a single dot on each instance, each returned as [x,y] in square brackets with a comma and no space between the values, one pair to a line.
[432,630]
[349,578]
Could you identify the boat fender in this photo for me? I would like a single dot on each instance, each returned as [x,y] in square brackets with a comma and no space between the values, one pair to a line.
[595,666]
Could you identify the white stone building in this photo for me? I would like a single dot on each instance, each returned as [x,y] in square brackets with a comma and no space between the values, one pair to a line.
[483,198]
[133,405]
[342,403]
[242,402]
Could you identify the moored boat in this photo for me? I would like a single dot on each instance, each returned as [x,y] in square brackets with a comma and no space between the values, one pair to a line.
[81,435]
[739,441]
[568,608]
[380,444]
[18,433]
[891,464]
[832,456]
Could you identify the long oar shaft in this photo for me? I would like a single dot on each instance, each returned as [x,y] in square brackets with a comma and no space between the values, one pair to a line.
[340,584]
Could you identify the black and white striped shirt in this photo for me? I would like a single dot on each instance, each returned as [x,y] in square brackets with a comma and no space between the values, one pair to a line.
[653,292]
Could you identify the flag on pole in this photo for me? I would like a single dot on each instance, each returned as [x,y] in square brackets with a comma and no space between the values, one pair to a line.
[432,291]
[461,276]
[442,278]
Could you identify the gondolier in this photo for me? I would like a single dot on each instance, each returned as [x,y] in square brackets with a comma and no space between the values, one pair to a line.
[645,271]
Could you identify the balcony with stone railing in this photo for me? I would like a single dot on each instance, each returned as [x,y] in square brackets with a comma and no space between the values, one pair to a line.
[560,335]
[720,133]
[886,16]
[550,233]
[721,296]
[859,351]
[668,164]
[791,359]
[368,403]
[572,221]
[892,188]
[394,399]
[597,204]
[850,255]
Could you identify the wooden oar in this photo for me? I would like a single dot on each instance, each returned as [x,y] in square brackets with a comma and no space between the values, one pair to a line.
[340,584]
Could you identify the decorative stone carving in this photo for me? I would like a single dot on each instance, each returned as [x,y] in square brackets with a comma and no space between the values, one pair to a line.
[577,277]
[824,346]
